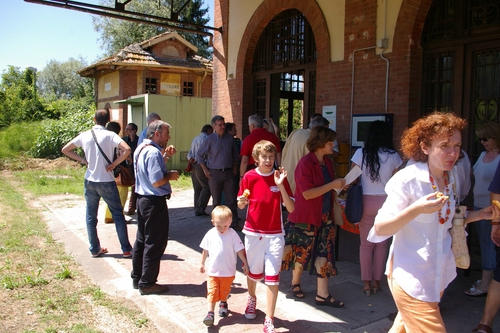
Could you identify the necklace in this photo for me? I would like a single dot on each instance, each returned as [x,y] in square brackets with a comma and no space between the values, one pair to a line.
[447,190]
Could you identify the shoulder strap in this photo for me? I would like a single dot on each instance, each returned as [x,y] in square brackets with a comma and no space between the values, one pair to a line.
[100,149]
[137,160]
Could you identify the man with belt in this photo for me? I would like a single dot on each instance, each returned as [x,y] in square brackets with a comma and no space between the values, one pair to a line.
[200,181]
[153,189]
[218,157]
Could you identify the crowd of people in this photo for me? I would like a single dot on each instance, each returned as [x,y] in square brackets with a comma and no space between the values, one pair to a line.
[407,210]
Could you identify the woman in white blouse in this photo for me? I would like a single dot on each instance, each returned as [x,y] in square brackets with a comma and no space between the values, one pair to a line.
[421,264]
[379,161]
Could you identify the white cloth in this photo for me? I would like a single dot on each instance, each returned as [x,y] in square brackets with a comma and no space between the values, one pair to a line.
[422,261]
[108,140]
[483,175]
[222,249]
[462,170]
[388,163]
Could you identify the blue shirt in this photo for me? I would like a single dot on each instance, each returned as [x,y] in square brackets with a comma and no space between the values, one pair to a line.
[142,136]
[150,167]
[196,144]
[495,183]
[219,152]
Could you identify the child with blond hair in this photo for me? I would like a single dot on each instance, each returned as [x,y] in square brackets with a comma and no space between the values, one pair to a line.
[220,245]
[264,189]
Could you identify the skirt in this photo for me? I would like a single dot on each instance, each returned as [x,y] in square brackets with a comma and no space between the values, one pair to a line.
[311,247]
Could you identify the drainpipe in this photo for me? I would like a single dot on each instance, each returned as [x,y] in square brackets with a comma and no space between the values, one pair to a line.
[201,82]
[384,58]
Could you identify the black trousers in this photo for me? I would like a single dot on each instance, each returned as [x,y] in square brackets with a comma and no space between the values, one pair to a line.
[151,240]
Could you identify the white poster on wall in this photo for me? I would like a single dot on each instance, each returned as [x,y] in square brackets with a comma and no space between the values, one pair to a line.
[330,113]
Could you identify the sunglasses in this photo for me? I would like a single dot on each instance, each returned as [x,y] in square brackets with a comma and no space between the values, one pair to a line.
[483,139]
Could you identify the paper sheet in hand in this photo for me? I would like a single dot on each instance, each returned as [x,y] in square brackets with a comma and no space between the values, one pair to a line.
[351,176]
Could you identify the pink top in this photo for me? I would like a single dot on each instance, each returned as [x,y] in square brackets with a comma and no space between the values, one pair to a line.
[308,175]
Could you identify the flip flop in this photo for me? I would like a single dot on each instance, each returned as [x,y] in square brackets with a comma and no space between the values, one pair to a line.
[101,252]
[482,328]
[327,301]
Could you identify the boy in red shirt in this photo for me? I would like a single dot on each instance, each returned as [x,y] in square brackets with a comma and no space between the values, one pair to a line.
[264,189]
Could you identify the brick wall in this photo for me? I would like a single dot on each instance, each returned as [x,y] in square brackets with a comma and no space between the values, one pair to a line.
[233,98]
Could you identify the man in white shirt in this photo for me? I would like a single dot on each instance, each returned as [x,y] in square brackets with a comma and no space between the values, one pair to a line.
[99,179]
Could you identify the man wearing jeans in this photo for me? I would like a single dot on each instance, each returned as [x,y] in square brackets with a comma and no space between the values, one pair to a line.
[99,179]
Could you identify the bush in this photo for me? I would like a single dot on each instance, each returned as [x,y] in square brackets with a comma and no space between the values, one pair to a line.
[56,133]
[19,138]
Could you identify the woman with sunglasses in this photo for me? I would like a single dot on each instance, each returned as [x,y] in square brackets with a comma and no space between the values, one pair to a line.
[484,169]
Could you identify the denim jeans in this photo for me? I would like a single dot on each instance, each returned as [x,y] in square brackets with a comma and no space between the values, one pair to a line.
[488,252]
[109,193]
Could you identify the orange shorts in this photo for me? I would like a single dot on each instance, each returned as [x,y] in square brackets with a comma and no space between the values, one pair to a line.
[218,288]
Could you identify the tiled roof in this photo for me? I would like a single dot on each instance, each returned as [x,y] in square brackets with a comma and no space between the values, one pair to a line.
[134,54]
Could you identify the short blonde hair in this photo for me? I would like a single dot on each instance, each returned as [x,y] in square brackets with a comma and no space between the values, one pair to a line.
[263,145]
[221,213]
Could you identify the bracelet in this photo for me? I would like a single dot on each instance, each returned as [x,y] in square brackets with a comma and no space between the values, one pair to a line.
[495,223]
[82,160]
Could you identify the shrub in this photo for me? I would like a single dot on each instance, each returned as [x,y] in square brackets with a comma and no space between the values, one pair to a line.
[56,133]
[18,138]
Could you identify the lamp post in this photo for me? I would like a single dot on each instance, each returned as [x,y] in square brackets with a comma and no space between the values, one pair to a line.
[33,70]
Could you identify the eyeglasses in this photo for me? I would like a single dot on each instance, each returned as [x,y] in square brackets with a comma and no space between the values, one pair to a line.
[484,139]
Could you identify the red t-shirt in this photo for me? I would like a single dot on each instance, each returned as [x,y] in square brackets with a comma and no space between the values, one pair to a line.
[264,215]
[257,135]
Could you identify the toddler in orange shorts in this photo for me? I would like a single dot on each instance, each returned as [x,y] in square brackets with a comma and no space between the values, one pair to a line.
[220,244]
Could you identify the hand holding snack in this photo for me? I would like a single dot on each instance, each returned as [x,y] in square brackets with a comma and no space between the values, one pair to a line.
[441,195]
[244,197]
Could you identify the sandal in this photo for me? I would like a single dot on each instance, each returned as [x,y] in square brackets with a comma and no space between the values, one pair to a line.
[482,328]
[328,302]
[101,252]
[475,292]
[297,293]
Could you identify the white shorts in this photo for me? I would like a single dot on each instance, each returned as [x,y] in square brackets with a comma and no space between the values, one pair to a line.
[264,256]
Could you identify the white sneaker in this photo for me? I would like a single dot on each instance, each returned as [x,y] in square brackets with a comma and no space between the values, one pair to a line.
[250,312]
[268,326]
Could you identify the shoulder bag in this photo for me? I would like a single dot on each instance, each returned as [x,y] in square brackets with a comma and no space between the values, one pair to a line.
[354,203]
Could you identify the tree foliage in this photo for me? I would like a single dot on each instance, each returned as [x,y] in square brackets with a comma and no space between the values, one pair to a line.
[60,80]
[116,34]
[18,97]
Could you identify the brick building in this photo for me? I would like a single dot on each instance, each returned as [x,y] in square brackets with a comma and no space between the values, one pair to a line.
[357,57]
[166,64]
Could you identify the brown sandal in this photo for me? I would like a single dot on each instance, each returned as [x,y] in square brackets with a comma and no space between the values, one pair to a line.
[482,328]
[297,293]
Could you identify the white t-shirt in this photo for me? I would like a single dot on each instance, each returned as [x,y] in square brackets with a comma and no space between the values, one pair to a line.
[483,175]
[422,261]
[108,140]
[222,249]
[388,163]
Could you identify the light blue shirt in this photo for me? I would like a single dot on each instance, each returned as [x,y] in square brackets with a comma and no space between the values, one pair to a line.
[142,136]
[150,167]
[196,144]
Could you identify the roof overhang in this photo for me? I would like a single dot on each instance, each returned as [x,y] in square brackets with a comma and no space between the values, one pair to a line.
[134,101]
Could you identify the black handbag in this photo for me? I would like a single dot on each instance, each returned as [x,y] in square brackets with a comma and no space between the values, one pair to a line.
[354,203]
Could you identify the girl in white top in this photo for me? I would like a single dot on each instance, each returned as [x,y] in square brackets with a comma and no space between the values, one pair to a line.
[421,263]
[484,169]
[379,160]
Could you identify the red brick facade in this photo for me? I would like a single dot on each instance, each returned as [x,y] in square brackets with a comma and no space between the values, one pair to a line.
[233,98]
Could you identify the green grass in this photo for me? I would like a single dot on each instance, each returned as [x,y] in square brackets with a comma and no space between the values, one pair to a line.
[17,139]
[57,181]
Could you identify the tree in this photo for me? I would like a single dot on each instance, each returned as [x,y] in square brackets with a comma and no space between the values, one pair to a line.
[116,34]
[18,98]
[60,80]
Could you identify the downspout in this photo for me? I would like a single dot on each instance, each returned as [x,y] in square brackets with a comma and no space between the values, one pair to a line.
[384,58]
[201,82]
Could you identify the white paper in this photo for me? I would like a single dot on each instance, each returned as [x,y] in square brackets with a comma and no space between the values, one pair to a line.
[351,176]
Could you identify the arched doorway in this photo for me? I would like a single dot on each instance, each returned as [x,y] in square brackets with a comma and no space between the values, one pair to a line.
[284,71]
[461,63]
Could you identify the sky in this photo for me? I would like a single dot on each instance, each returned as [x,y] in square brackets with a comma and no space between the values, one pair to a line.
[32,34]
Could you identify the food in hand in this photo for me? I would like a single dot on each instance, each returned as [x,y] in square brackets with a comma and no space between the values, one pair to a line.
[440,194]
[496,203]
[246,193]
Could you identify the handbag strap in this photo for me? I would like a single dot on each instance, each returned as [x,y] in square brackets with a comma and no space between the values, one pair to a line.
[100,149]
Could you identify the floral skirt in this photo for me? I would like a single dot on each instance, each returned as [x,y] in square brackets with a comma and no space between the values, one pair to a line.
[311,247]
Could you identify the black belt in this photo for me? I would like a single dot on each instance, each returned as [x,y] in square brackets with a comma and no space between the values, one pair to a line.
[225,169]
[166,196]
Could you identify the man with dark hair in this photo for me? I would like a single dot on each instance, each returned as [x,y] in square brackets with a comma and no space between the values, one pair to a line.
[152,184]
[218,158]
[131,139]
[200,181]
[99,179]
